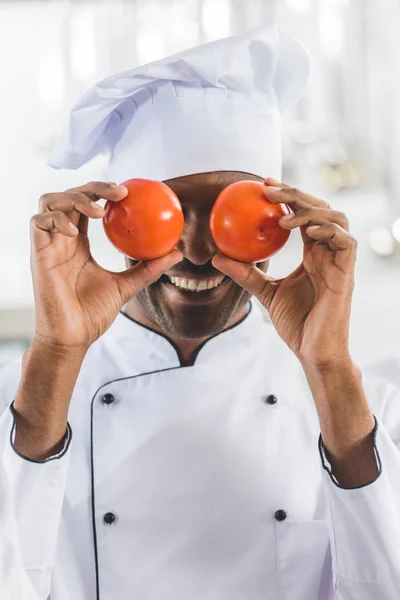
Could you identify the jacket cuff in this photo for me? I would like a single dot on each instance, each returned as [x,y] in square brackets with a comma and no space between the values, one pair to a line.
[328,468]
[67,441]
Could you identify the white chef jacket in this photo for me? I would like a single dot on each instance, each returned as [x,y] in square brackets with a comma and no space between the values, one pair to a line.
[387,368]
[202,482]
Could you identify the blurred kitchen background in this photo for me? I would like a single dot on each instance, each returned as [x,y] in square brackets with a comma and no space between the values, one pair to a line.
[342,142]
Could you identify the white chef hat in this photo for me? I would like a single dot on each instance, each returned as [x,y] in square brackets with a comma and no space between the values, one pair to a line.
[214,107]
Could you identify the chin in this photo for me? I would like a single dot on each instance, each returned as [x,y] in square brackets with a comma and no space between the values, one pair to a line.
[191,320]
[193,323]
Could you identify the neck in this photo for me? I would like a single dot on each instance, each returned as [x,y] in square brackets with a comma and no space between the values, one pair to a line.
[187,348]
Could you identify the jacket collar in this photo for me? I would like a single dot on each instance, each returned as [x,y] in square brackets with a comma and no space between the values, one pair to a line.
[141,344]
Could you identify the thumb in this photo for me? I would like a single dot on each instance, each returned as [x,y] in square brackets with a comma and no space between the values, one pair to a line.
[136,278]
[250,277]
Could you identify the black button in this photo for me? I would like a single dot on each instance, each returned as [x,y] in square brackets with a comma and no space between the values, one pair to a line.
[109,518]
[271,399]
[280,515]
[108,398]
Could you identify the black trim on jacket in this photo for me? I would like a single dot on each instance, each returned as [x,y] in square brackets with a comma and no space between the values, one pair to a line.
[67,436]
[322,453]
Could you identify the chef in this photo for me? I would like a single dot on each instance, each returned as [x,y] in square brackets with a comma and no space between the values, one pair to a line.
[164,441]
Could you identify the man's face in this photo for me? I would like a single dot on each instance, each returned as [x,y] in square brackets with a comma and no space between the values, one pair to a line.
[182,313]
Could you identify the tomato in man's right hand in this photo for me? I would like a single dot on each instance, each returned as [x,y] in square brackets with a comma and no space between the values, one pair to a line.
[148,223]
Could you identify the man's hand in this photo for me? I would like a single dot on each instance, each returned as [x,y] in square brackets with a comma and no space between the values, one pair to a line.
[76,300]
[310,308]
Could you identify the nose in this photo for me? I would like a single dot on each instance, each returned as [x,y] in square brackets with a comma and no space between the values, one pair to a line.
[197,244]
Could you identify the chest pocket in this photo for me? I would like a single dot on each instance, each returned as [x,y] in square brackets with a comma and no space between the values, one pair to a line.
[304,560]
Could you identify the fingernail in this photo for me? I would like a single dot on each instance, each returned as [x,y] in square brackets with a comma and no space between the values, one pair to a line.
[273,180]
[97,207]
[314,227]
[115,186]
[287,217]
[272,189]
[73,227]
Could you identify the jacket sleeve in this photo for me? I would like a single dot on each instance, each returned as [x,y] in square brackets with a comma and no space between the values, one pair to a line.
[36,491]
[14,582]
[364,522]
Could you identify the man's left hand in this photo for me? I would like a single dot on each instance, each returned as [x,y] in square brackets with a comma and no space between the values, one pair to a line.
[310,308]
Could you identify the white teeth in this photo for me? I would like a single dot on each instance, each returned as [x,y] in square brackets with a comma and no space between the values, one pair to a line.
[195,285]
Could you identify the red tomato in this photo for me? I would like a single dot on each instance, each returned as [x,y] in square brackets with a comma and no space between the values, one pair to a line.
[244,224]
[148,223]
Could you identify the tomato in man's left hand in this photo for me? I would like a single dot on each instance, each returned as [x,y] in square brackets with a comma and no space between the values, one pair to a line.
[245,225]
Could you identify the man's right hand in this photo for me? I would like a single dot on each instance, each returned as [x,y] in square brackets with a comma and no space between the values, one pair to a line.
[76,300]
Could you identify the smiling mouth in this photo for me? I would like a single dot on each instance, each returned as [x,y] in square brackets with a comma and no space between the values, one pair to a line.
[198,285]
